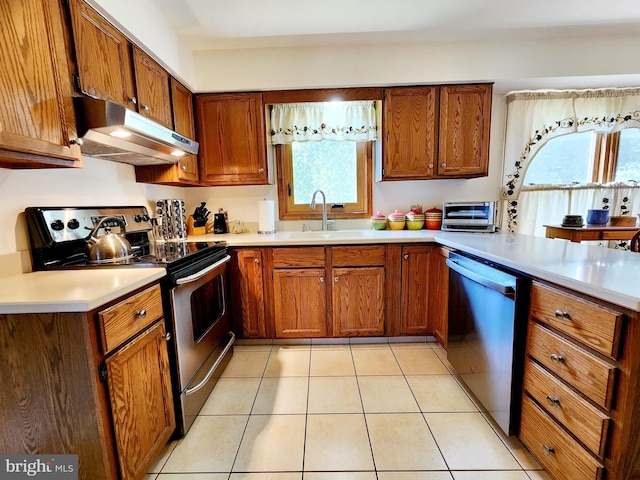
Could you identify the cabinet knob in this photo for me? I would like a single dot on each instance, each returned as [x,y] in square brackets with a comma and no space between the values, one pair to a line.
[444,165]
[335,279]
[76,141]
[133,100]
[141,313]
[261,170]
[321,279]
[549,450]
[145,108]
[556,357]
[553,400]
[256,261]
[431,165]
[406,256]
[167,336]
[562,315]
[184,168]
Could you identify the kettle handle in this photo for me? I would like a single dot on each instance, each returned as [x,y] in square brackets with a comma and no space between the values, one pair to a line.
[94,232]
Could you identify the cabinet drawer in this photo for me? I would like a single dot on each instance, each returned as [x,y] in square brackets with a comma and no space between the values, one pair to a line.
[363,256]
[585,421]
[556,451]
[298,257]
[125,319]
[592,376]
[590,323]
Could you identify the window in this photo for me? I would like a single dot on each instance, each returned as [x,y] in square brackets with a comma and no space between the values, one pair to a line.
[587,157]
[342,170]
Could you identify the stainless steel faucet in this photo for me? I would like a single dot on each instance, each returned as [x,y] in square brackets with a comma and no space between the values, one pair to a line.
[325,222]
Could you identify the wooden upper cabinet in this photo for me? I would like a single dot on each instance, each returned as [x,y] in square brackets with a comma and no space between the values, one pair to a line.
[103,55]
[410,129]
[465,116]
[232,136]
[37,119]
[152,86]
[436,132]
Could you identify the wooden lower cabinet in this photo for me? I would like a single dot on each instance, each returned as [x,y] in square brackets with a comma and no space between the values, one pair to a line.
[358,301]
[415,294]
[300,304]
[248,294]
[438,312]
[580,396]
[114,410]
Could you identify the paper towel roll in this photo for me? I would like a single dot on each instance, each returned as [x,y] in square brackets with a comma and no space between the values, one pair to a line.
[266,216]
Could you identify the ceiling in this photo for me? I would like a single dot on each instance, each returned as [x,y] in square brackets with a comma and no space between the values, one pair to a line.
[225,24]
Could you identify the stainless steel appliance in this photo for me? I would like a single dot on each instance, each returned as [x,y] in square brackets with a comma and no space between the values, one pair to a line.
[486,334]
[194,289]
[469,216]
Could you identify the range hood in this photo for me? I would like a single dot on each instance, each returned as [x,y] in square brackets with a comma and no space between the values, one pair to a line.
[113,132]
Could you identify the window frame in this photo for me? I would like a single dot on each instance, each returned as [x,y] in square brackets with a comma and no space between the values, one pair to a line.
[361,209]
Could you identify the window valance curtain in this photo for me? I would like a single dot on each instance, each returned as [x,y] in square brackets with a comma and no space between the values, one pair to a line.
[338,121]
[534,118]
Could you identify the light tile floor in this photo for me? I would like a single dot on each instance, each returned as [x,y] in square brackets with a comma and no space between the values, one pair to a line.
[389,411]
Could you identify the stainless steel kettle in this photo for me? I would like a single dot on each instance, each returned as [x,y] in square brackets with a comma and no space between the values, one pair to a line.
[110,247]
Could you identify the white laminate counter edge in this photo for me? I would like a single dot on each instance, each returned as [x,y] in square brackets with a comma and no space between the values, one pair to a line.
[603,273]
[71,290]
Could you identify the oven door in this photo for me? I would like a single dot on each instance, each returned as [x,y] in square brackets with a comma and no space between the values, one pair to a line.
[203,340]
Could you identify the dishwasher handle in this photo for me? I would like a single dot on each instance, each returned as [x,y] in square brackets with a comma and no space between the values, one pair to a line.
[506,290]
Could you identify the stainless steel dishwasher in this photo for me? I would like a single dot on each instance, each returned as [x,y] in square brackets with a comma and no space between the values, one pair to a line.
[487,329]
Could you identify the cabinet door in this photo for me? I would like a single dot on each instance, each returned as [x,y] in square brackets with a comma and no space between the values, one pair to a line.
[358,301]
[141,401]
[37,119]
[465,116]
[152,86]
[103,55]
[415,290]
[232,136]
[410,126]
[439,295]
[300,302]
[252,306]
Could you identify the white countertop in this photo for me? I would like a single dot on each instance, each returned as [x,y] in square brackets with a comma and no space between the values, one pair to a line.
[608,274]
[604,273]
[71,290]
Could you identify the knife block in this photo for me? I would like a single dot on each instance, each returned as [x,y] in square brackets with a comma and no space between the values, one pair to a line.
[191,230]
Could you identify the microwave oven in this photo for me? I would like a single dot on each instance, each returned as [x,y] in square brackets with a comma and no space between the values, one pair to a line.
[469,216]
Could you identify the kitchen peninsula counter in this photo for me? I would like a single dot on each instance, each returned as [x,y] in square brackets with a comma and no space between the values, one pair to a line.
[604,273]
[57,291]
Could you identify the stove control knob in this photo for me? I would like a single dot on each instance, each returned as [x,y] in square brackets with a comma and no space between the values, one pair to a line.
[57,225]
[73,224]
[137,218]
[145,218]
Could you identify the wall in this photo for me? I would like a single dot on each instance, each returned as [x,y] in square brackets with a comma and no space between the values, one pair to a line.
[98,182]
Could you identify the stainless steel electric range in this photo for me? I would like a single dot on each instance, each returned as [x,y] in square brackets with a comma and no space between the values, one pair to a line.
[194,290]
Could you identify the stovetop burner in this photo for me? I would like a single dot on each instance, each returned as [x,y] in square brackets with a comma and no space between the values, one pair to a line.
[58,237]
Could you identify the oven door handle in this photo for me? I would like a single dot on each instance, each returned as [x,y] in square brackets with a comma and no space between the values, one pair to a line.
[198,275]
[201,384]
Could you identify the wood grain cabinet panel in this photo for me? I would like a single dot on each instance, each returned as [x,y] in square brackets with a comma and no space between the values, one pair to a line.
[594,325]
[37,118]
[465,117]
[415,292]
[438,312]
[232,136]
[555,449]
[251,293]
[410,132]
[141,401]
[300,304]
[358,301]
[103,55]
[587,373]
[152,87]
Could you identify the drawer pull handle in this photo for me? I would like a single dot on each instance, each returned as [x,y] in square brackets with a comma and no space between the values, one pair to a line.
[167,336]
[549,450]
[141,313]
[556,357]
[553,400]
[562,315]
